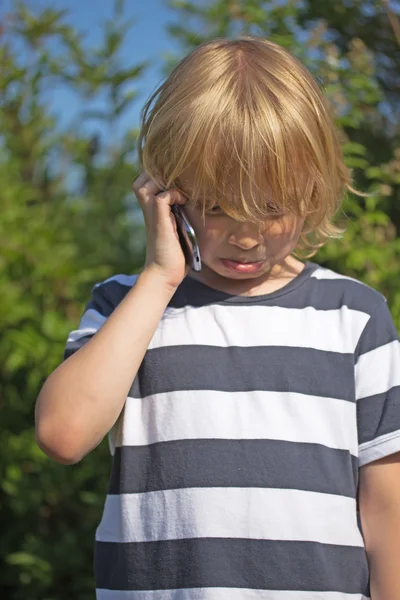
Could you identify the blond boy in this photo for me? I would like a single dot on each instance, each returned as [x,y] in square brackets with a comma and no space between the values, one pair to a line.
[253,409]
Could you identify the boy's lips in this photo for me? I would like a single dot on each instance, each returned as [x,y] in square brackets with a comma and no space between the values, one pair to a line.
[242,266]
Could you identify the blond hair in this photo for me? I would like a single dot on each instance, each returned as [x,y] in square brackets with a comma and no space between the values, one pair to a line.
[253,122]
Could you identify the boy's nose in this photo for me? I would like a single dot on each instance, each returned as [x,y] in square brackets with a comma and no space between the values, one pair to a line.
[246,236]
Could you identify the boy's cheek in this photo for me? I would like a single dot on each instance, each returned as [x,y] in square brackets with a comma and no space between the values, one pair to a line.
[206,231]
[196,219]
[208,242]
[288,226]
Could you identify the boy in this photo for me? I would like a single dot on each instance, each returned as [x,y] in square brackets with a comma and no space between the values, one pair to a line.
[254,407]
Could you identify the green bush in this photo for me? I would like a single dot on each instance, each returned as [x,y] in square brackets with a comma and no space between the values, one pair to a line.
[68,220]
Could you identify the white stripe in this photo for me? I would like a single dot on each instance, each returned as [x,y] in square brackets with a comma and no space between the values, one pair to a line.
[223,594]
[322,273]
[382,446]
[207,414]
[121,278]
[277,514]
[80,333]
[229,325]
[90,323]
[92,320]
[378,371]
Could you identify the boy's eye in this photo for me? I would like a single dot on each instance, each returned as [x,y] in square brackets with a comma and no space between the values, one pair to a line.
[214,210]
[275,212]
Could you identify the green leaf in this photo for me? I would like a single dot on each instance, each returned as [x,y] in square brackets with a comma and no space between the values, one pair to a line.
[354,148]
[356,162]
[374,172]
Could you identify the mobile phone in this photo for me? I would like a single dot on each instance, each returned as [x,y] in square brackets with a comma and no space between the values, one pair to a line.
[187,238]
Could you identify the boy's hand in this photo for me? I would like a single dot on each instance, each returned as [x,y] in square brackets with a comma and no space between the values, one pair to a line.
[163,253]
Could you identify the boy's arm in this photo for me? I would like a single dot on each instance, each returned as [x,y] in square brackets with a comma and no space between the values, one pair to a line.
[379,499]
[83,397]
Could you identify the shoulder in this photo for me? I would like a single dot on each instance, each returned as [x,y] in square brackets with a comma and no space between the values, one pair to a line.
[341,290]
[107,294]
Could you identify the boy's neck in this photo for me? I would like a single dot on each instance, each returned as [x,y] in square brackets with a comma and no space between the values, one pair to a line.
[278,276]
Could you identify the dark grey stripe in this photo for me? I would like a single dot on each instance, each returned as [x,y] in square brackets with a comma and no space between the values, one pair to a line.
[321,294]
[235,563]
[192,291]
[378,415]
[72,347]
[233,463]
[380,330]
[106,296]
[241,369]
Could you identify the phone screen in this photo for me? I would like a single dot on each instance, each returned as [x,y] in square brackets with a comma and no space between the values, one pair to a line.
[187,238]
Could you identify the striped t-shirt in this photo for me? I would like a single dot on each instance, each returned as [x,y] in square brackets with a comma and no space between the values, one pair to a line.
[236,456]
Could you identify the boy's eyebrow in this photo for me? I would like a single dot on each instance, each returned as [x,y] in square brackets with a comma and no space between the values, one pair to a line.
[207,198]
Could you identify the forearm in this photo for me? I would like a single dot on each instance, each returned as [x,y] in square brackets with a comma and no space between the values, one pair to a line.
[83,397]
[382,536]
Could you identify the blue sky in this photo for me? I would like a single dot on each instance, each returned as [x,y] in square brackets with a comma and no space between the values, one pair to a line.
[147,40]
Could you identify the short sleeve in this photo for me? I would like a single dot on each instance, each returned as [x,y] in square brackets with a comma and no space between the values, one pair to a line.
[105,296]
[377,378]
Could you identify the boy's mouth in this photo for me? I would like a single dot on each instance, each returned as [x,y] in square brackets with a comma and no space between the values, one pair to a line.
[242,267]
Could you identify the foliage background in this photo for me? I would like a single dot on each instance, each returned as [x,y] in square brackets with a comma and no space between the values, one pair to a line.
[68,220]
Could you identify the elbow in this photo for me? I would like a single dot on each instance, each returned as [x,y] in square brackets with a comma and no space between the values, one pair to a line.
[56,447]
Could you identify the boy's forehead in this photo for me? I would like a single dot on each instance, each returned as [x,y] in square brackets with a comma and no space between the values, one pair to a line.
[188,176]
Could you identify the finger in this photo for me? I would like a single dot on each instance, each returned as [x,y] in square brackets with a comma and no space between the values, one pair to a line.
[180,198]
[139,181]
[169,197]
[145,186]
[175,196]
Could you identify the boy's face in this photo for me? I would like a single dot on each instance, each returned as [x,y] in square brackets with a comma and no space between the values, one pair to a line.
[239,251]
